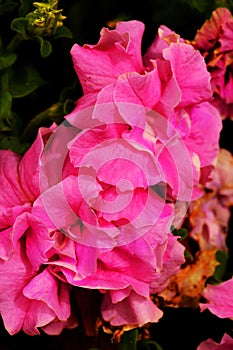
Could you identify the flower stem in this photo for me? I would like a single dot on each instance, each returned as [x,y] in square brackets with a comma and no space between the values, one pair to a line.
[14,43]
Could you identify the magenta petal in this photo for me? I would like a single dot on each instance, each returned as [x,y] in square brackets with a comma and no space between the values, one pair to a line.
[219,299]
[209,344]
[139,89]
[188,62]
[11,193]
[6,247]
[14,275]
[86,266]
[45,287]
[101,64]
[212,28]
[38,315]
[206,148]
[38,241]
[162,40]
[30,165]
[134,309]
[57,326]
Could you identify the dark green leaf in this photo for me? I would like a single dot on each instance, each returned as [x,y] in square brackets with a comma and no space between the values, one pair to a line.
[201,5]
[220,270]
[8,7]
[188,255]
[129,340]
[7,59]
[13,143]
[62,31]
[20,25]
[182,232]
[23,80]
[45,47]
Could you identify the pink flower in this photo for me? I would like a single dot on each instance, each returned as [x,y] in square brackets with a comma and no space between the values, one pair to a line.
[117,227]
[209,344]
[219,299]
[111,175]
[34,299]
[31,297]
[93,205]
[214,40]
[209,215]
[157,81]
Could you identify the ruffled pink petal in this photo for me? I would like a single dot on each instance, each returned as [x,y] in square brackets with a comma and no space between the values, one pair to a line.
[6,247]
[45,287]
[57,326]
[226,39]
[11,193]
[134,309]
[209,344]
[206,148]
[37,238]
[188,62]
[219,299]
[212,28]
[30,165]
[162,40]
[170,256]
[139,89]
[15,274]
[115,53]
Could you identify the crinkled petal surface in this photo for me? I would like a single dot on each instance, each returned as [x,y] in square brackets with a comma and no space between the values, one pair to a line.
[219,299]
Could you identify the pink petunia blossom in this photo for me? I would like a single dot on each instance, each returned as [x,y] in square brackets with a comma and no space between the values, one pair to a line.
[133,146]
[93,205]
[31,296]
[157,81]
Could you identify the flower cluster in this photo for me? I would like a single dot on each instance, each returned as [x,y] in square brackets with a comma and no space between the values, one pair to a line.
[207,224]
[214,40]
[209,216]
[93,201]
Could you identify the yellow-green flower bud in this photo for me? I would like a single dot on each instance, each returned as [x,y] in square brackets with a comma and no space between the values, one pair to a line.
[45,19]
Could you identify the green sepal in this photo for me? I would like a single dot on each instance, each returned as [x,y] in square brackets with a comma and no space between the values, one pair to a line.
[129,340]
[7,60]
[23,80]
[13,143]
[182,232]
[20,25]
[62,31]
[45,46]
[220,270]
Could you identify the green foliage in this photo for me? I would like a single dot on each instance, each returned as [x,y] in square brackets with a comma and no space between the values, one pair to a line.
[129,340]
[7,59]
[23,80]
[220,270]
[20,75]
[182,232]
[206,7]
[45,46]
